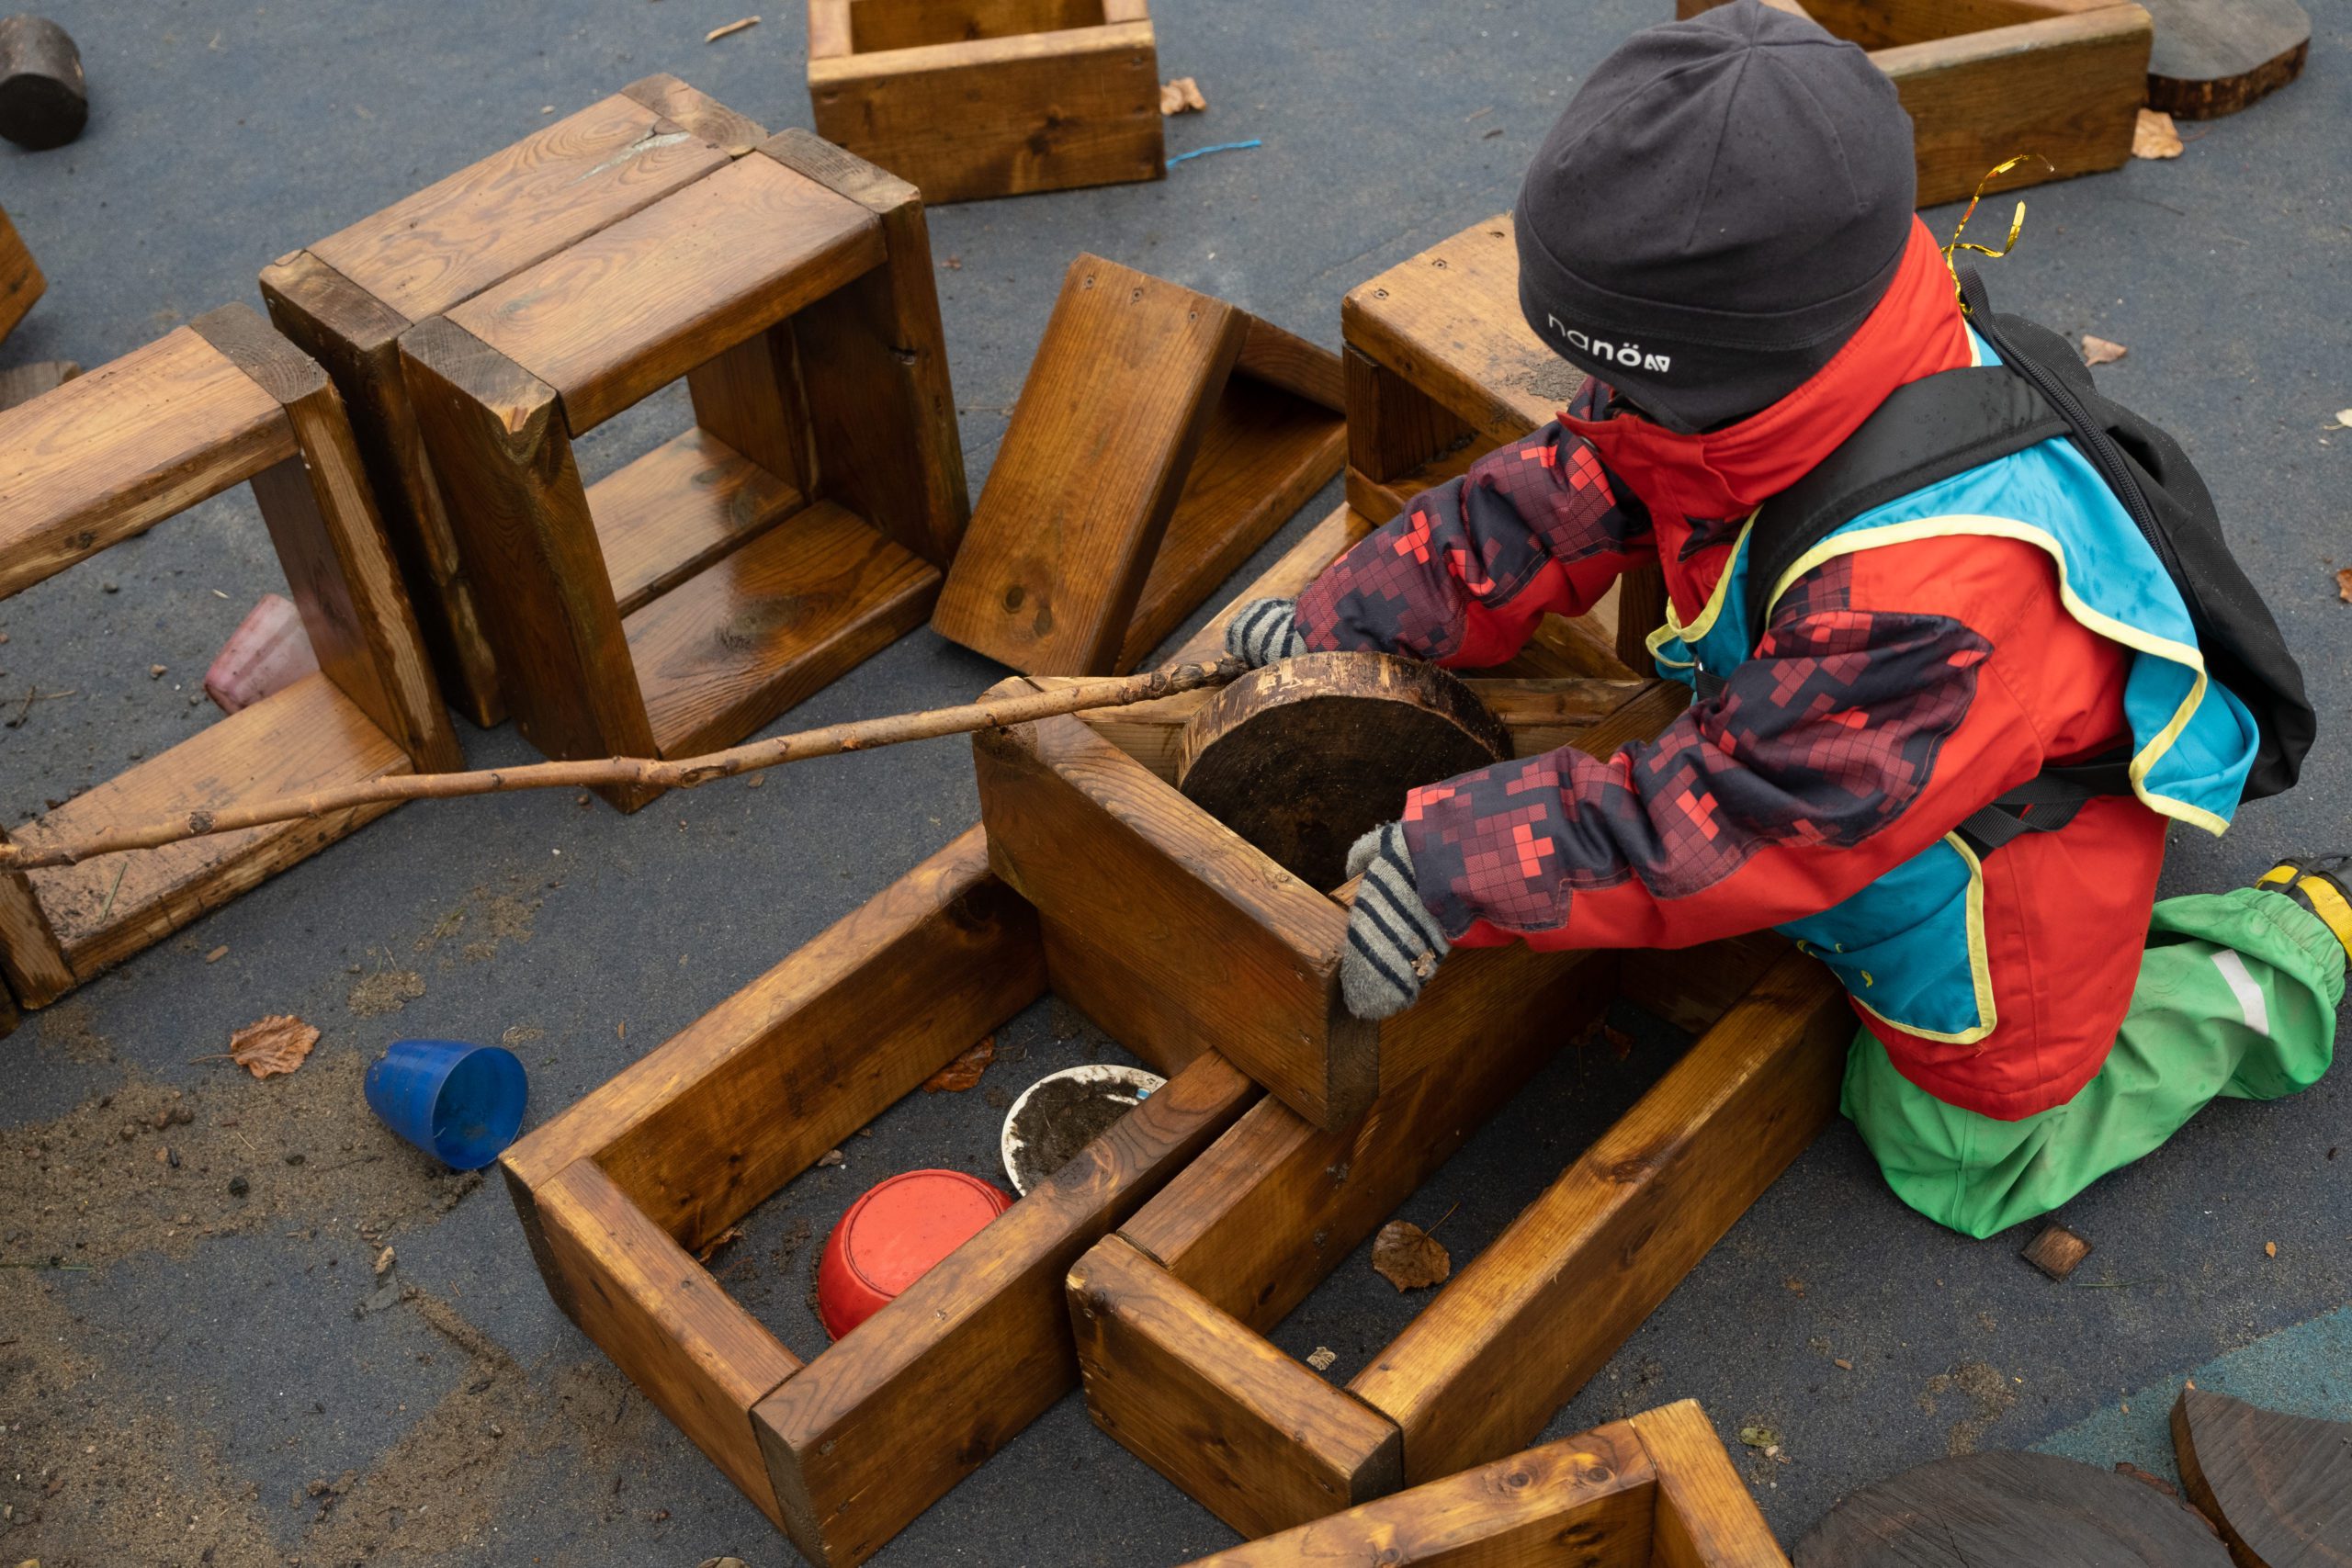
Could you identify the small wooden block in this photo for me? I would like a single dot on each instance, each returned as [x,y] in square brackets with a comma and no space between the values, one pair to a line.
[2214,57]
[1160,437]
[2057,1251]
[975,98]
[1306,756]
[21,282]
[2277,1486]
[2009,1508]
[23,383]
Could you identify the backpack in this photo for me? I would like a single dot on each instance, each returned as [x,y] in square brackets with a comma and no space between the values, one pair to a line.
[1947,423]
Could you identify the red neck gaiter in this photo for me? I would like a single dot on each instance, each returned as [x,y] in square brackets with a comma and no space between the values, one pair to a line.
[1915,331]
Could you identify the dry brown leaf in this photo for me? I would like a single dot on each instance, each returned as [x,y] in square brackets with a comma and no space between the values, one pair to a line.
[964,1071]
[1181,96]
[1409,1257]
[2154,137]
[2343,585]
[277,1045]
[710,1248]
[2100,351]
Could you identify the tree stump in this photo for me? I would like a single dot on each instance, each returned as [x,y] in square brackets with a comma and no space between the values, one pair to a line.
[2279,1486]
[2214,57]
[1304,757]
[44,99]
[2008,1510]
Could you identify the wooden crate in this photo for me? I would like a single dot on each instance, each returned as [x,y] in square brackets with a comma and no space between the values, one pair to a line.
[101,458]
[971,99]
[796,529]
[618,1192]
[1228,950]
[347,299]
[1441,369]
[1985,80]
[1652,1491]
[1162,436]
[1170,1313]
[20,279]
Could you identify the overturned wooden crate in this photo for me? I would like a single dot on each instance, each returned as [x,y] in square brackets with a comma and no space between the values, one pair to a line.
[618,1192]
[1652,1491]
[799,526]
[2061,79]
[20,277]
[347,299]
[1162,436]
[220,403]
[993,98]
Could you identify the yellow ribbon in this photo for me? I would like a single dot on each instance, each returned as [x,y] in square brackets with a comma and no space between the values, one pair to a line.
[2017,220]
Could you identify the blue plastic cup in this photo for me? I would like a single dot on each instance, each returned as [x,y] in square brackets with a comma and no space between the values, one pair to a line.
[462,1104]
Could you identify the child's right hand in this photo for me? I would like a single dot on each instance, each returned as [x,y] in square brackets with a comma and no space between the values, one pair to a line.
[1265,631]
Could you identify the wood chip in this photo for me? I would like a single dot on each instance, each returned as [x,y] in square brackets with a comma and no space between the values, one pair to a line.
[2344,595]
[1408,1257]
[277,1045]
[831,1157]
[710,1248]
[1322,1358]
[2269,1249]
[2154,137]
[384,1261]
[2057,1251]
[2100,351]
[717,33]
[1181,96]
[216,956]
[963,1072]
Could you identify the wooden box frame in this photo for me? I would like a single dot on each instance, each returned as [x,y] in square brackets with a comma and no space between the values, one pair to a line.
[1985,80]
[1204,428]
[217,403]
[1655,1490]
[990,97]
[1229,952]
[617,1193]
[347,299]
[21,282]
[799,525]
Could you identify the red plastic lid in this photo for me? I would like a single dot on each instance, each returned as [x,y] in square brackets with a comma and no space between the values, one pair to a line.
[892,1236]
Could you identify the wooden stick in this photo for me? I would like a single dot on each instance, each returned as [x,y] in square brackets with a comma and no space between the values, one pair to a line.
[683,773]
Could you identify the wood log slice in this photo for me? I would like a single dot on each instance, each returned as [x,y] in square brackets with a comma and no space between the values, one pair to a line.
[2009,1510]
[2279,1486]
[44,99]
[1303,757]
[2214,57]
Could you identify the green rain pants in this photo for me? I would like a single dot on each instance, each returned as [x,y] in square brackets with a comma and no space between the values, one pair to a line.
[2236,997]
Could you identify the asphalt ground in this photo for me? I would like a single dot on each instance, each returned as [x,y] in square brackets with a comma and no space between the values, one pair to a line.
[220,1379]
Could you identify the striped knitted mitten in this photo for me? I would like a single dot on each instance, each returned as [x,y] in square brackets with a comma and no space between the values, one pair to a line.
[1265,631]
[1394,942]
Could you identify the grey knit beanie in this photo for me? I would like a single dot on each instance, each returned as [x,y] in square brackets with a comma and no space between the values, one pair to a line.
[1717,209]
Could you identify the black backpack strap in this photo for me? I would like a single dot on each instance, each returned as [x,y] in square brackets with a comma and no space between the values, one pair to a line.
[2046,802]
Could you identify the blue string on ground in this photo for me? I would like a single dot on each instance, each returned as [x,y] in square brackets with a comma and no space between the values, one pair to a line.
[1220,147]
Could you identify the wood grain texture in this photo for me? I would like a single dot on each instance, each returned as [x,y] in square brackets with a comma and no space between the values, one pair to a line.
[703,1361]
[749,397]
[634,306]
[2214,57]
[1585,1500]
[673,511]
[731,133]
[113,453]
[1693,987]
[2279,1486]
[1250,1434]
[702,1129]
[21,282]
[879,25]
[1512,1336]
[766,626]
[920,1394]
[1706,1518]
[36,966]
[1298,567]
[1289,363]
[1124,385]
[999,115]
[306,737]
[1395,431]
[1994,1510]
[1212,945]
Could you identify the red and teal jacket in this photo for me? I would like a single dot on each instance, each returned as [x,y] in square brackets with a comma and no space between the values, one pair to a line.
[1921,662]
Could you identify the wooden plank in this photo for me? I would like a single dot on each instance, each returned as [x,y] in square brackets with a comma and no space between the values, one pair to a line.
[1124,387]
[702,1129]
[424,253]
[1514,1334]
[1000,116]
[878,24]
[1250,1434]
[113,453]
[35,966]
[633,307]
[1300,565]
[1589,1496]
[1884,24]
[21,282]
[307,736]
[1692,988]
[1706,1517]
[1288,361]
[1395,431]
[703,1361]
[504,461]
[874,356]
[1084,831]
[919,1395]
[1275,1204]
[749,397]
[765,627]
[673,100]
[830,31]
[668,514]
[2279,1486]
